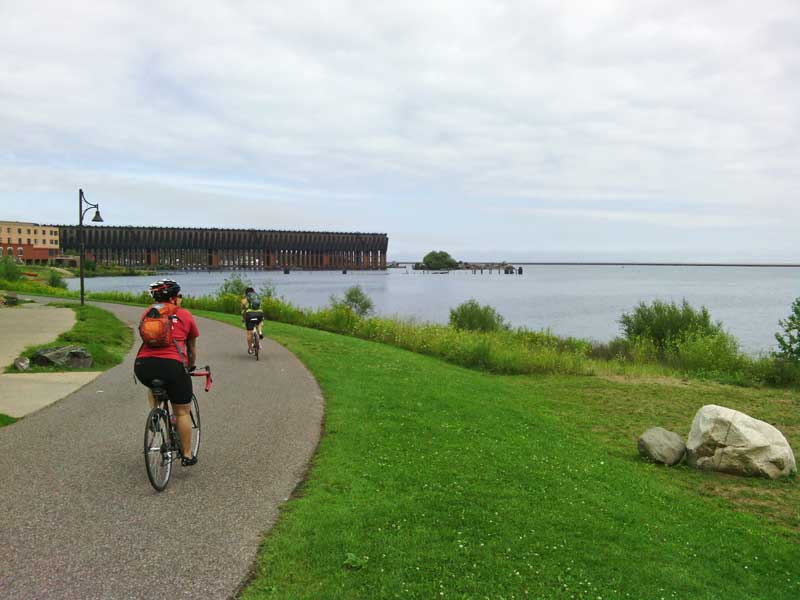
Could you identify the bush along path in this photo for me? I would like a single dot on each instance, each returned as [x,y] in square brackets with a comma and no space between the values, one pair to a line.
[675,340]
[80,519]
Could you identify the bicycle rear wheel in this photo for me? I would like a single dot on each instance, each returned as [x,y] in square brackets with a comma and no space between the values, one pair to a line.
[194,412]
[158,452]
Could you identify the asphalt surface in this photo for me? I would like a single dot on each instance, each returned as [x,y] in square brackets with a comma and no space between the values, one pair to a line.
[78,517]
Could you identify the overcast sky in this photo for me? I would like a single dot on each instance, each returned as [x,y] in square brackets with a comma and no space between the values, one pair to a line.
[600,130]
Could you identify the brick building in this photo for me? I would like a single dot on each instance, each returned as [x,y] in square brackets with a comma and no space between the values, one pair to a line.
[31,243]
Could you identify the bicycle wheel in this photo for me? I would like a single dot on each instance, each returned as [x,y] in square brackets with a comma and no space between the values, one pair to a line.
[158,453]
[194,412]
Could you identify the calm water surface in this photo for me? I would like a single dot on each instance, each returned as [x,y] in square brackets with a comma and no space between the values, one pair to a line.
[580,301]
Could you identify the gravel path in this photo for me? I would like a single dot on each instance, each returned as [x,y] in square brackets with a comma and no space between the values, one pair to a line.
[79,518]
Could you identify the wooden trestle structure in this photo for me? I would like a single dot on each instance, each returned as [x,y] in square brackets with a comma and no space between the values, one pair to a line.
[194,248]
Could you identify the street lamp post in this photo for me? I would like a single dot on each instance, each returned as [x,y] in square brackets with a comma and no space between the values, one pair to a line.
[96,219]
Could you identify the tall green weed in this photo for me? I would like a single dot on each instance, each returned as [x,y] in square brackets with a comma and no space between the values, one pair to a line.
[665,324]
[701,352]
[472,316]
[9,271]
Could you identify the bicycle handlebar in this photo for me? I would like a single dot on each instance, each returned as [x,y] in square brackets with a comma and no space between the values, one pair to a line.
[205,372]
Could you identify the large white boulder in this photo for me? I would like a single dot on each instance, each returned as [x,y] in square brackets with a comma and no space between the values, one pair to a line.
[726,440]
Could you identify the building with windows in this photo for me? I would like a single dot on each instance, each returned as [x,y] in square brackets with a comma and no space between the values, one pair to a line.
[31,243]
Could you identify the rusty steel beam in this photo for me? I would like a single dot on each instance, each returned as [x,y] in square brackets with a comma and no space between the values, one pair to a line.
[232,248]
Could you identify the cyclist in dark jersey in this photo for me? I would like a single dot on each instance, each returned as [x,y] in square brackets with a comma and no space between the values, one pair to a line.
[170,363]
[252,317]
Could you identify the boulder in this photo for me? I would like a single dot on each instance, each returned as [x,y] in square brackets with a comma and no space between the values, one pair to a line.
[70,357]
[22,364]
[729,441]
[661,446]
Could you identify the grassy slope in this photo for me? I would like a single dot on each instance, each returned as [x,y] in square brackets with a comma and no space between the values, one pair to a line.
[6,420]
[107,338]
[436,481]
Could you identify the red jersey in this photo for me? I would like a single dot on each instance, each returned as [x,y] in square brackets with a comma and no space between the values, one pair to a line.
[183,328]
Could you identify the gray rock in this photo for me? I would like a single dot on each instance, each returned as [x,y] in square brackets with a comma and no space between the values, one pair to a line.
[729,441]
[71,357]
[22,364]
[662,446]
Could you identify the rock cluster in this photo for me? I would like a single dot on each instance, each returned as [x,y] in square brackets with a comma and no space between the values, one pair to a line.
[71,357]
[724,440]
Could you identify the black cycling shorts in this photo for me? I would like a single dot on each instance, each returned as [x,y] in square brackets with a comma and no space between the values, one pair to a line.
[253,318]
[177,381]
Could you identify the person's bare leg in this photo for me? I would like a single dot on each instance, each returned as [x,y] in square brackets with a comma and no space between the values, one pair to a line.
[151,400]
[183,421]
[249,339]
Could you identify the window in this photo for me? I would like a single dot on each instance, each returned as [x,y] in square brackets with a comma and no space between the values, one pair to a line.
[29,230]
[19,230]
[19,251]
[19,240]
[29,241]
[35,232]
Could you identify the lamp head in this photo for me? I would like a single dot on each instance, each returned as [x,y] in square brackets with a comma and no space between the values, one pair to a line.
[97,218]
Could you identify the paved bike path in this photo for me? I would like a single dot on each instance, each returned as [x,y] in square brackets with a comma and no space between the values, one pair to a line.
[79,518]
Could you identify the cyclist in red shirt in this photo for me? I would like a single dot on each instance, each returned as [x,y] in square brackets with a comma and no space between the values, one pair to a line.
[172,364]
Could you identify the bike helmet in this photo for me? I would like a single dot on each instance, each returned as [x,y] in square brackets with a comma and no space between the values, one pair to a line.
[164,289]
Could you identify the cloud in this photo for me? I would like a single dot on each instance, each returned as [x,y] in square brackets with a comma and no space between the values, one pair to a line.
[673,219]
[385,116]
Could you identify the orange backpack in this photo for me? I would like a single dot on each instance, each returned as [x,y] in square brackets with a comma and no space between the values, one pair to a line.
[155,328]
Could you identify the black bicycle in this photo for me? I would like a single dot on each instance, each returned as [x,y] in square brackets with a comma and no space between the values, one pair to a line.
[256,338]
[162,444]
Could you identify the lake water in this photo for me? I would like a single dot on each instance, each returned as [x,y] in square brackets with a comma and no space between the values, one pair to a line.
[580,301]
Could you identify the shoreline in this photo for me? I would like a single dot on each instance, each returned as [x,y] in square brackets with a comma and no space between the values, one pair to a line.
[618,264]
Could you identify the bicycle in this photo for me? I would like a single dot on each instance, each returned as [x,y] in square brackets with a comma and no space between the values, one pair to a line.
[162,444]
[255,337]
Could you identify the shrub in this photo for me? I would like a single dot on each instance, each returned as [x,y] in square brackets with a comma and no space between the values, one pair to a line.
[789,340]
[471,316]
[617,349]
[708,354]
[235,285]
[774,371]
[355,299]
[665,324]
[9,270]
[547,339]
[437,260]
[267,290]
[55,280]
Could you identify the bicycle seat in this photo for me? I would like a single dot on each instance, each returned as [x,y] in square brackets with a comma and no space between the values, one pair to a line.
[156,383]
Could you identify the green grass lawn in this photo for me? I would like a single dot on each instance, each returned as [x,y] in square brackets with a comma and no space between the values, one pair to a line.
[107,338]
[434,481]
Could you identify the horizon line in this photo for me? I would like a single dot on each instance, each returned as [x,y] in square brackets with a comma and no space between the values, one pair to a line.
[617,263]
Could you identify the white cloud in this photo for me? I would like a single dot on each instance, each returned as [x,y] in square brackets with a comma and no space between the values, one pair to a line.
[383,116]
